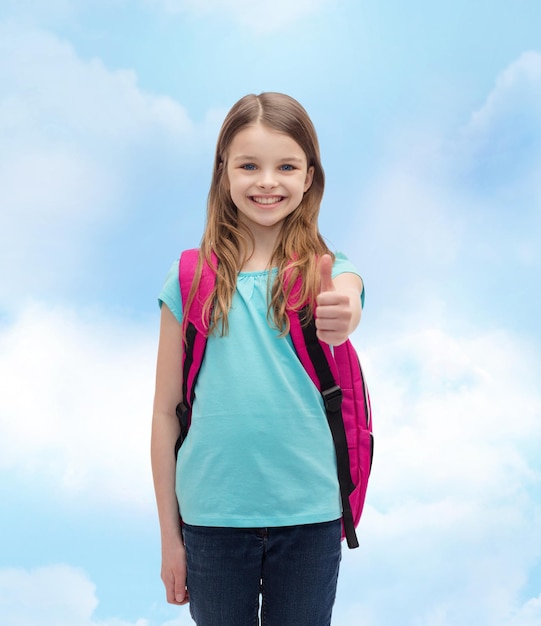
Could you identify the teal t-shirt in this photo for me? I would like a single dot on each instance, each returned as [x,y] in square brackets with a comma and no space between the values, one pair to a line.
[259,451]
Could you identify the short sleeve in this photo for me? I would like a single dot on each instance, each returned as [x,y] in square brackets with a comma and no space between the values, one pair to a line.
[342,265]
[170,293]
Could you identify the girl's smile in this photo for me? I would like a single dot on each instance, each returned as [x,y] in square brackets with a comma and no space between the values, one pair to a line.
[267,200]
[268,175]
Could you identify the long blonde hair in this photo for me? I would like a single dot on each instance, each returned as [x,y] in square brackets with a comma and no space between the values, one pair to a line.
[300,242]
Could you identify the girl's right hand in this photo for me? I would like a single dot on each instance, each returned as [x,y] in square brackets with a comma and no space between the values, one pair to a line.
[174,573]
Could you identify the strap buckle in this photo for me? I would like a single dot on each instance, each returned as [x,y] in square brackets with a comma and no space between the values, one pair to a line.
[332,398]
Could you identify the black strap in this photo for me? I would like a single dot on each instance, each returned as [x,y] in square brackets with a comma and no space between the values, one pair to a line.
[191,332]
[332,398]
[183,409]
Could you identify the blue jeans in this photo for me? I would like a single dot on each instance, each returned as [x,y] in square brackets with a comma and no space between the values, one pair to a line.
[293,568]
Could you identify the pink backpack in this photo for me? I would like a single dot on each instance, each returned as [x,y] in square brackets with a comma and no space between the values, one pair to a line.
[336,373]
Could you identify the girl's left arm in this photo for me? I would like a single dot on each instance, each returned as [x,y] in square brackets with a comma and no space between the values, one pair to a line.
[338,305]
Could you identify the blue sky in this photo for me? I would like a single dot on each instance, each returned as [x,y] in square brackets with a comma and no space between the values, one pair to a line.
[429,118]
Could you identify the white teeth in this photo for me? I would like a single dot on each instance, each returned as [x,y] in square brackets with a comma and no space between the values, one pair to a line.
[267,199]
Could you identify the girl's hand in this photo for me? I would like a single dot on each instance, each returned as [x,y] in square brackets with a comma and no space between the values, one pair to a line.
[338,310]
[174,573]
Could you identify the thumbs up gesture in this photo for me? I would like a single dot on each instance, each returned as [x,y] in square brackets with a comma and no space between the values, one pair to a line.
[334,313]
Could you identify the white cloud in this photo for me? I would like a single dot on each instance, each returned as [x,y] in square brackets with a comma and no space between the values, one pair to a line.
[450,528]
[450,533]
[76,404]
[56,595]
[500,147]
[50,97]
[451,222]
[411,219]
[73,135]
[408,244]
[517,86]
[475,396]
[262,17]
[528,615]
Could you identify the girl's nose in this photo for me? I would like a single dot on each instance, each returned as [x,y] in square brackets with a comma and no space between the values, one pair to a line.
[267,179]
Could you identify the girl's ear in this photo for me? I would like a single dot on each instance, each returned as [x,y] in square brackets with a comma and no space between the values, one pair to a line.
[309,178]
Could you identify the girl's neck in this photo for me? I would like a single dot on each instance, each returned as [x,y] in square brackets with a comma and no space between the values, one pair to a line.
[258,261]
[261,255]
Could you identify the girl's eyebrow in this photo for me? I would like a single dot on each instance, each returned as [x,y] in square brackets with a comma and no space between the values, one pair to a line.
[247,157]
[244,157]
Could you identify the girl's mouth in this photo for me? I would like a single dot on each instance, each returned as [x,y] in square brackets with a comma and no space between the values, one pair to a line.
[266,200]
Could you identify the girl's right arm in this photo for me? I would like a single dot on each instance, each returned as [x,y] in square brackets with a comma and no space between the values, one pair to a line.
[165,430]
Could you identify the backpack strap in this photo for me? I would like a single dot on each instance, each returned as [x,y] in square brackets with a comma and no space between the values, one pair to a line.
[196,331]
[319,362]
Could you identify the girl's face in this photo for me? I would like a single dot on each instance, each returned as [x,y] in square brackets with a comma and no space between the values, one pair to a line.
[268,175]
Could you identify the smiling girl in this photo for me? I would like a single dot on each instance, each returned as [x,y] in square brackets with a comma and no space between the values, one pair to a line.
[250,510]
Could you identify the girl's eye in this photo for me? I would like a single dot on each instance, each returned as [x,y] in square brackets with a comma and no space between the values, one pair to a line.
[287,167]
[248,166]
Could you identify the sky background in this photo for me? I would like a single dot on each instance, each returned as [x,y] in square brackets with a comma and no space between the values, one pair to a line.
[429,119]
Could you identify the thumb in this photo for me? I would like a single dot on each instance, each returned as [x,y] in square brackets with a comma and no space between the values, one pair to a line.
[325,270]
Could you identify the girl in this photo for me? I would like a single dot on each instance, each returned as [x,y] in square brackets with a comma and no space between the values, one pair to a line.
[255,480]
